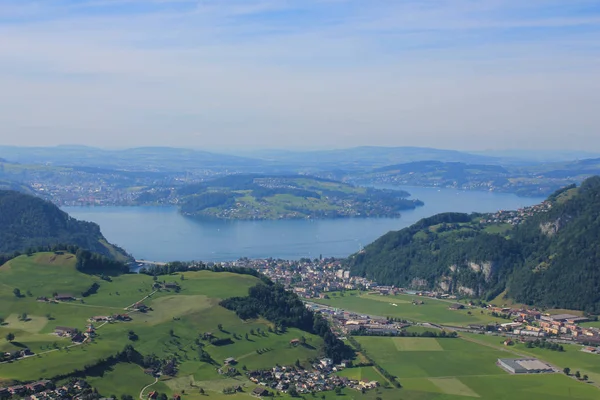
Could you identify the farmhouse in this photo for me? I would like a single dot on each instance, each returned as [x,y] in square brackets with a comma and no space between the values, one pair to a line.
[260,391]
[524,366]
[229,361]
[64,331]
[64,297]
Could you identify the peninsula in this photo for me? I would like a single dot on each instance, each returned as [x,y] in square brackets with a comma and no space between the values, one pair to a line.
[262,197]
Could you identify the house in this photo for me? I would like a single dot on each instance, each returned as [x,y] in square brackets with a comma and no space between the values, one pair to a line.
[229,361]
[295,342]
[171,285]
[64,331]
[260,391]
[456,306]
[16,389]
[152,395]
[64,297]
[508,342]
[176,397]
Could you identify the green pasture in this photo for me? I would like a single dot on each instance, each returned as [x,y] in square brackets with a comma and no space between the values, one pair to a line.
[172,328]
[400,306]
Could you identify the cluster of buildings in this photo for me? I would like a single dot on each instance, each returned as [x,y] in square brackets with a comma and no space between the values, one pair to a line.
[47,390]
[515,217]
[346,322]
[15,355]
[307,278]
[320,378]
[534,323]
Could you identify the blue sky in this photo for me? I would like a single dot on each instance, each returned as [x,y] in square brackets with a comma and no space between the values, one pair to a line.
[216,74]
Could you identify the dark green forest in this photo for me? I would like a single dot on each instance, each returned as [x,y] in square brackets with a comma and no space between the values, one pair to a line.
[285,310]
[29,222]
[551,260]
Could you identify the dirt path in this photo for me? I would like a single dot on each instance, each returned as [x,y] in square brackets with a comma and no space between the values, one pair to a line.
[139,301]
[146,387]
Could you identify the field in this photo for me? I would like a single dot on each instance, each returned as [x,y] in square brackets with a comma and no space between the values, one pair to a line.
[428,368]
[171,329]
[431,368]
[400,306]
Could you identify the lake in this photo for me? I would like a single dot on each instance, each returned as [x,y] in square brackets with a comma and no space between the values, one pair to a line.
[162,234]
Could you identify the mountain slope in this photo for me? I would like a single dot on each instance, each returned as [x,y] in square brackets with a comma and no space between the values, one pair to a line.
[27,221]
[550,259]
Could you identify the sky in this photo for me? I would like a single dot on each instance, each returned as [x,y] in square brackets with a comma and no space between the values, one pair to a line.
[248,74]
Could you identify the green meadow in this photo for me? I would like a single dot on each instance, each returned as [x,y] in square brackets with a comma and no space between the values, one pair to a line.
[430,368]
[170,329]
[401,306]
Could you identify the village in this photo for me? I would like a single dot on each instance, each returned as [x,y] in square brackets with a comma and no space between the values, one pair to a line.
[516,217]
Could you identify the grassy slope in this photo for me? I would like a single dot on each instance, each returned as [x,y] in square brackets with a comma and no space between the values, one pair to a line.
[189,313]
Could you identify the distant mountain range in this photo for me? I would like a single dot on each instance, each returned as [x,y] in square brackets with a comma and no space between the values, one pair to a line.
[547,256]
[526,173]
[528,180]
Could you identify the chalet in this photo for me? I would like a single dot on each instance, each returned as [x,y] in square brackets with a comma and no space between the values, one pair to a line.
[456,306]
[260,391]
[43,299]
[64,331]
[78,338]
[121,317]
[152,395]
[16,390]
[295,342]
[171,285]
[64,297]
[100,318]
[230,361]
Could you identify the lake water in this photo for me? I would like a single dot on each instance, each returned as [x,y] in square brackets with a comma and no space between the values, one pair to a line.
[162,234]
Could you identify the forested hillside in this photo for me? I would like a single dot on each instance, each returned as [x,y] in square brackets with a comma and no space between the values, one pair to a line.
[30,222]
[551,259]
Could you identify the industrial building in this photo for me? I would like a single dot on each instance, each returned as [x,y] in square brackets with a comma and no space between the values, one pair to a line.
[524,366]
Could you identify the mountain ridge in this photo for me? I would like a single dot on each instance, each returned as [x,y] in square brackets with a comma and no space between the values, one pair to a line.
[548,258]
[29,222]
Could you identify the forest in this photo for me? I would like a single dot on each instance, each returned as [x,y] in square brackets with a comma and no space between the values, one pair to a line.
[550,260]
[285,309]
[27,222]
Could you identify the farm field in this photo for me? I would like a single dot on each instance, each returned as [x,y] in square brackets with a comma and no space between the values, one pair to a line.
[400,306]
[171,328]
[430,368]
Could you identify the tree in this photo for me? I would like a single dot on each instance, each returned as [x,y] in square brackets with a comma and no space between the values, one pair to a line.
[162,396]
[567,370]
[293,392]
[201,391]
[171,332]
[338,390]
[24,317]
[577,374]
[585,377]
[17,292]
[10,337]
[126,397]
[220,326]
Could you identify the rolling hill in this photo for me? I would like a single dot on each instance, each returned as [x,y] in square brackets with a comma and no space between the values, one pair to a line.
[547,256]
[288,197]
[29,222]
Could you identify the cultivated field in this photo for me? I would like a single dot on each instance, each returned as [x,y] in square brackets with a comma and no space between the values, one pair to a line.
[458,369]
